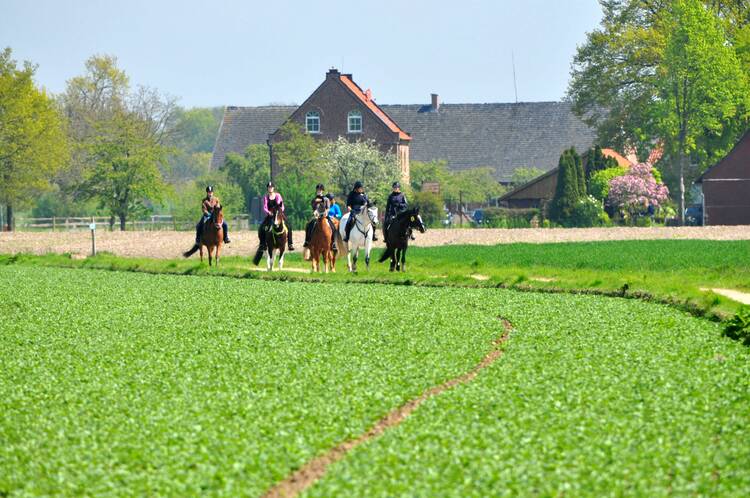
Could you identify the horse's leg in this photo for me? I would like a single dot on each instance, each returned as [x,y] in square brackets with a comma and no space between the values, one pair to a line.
[210,255]
[355,258]
[269,259]
[218,252]
[281,257]
[201,250]
[368,248]
[403,258]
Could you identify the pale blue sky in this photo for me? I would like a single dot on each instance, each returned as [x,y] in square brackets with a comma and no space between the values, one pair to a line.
[217,53]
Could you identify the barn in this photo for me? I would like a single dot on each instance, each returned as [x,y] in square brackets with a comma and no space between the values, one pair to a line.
[726,187]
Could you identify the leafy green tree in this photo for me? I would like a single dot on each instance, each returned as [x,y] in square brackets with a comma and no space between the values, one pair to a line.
[33,145]
[599,182]
[430,207]
[580,173]
[347,162]
[525,175]
[433,171]
[249,171]
[475,185]
[666,72]
[126,169]
[184,204]
[121,139]
[195,129]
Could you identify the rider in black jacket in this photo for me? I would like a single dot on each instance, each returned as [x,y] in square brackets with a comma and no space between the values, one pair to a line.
[396,204]
[356,201]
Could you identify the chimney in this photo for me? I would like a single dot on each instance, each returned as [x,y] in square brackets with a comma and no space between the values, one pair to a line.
[332,73]
[435,102]
[368,95]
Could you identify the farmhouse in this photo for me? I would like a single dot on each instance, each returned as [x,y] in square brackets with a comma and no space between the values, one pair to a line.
[726,187]
[501,136]
[537,192]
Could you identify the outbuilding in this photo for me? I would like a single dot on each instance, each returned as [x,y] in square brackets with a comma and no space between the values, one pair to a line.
[726,187]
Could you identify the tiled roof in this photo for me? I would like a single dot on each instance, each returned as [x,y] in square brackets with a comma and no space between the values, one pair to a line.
[502,136]
[367,100]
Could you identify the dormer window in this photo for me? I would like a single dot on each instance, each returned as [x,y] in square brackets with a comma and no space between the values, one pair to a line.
[312,122]
[355,122]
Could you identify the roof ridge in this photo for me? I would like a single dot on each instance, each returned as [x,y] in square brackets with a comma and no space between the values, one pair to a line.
[373,106]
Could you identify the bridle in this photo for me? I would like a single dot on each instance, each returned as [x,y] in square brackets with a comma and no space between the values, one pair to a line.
[367,228]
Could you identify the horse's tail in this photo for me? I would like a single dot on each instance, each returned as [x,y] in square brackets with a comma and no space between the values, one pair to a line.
[386,254]
[192,251]
[257,257]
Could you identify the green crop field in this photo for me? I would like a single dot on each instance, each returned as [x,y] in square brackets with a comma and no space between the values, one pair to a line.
[125,384]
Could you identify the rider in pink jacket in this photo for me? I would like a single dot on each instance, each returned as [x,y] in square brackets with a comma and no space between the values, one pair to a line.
[273,201]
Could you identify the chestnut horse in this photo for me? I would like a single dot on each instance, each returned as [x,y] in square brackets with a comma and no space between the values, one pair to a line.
[320,244]
[212,236]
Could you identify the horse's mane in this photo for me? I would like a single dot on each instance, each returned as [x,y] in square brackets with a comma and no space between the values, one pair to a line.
[408,212]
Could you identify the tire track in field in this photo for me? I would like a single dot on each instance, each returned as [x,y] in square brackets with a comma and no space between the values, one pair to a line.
[315,469]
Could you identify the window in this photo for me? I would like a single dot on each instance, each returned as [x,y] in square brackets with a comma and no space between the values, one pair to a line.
[355,122]
[312,122]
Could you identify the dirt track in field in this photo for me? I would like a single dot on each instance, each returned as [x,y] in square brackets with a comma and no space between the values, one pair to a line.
[168,244]
[316,468]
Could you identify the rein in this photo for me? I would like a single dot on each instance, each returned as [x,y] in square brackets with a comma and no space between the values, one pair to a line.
[367,229]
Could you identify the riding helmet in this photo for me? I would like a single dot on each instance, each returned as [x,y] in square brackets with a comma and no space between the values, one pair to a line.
[396,185]
[210,188]
[329,196]
[358,184]
[319,187]
[270,184]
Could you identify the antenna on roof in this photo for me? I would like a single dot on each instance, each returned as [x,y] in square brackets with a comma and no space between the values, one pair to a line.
[515,85]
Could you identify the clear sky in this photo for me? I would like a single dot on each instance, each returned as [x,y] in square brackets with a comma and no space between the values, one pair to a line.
[223,52]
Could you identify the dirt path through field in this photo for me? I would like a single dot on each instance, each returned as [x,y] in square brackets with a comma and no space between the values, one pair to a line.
[167,244]
[315,469]
[739,296]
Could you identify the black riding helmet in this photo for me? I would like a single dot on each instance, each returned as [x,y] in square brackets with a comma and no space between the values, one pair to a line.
[358,184]
[396,185]
[210,188]
[330,197]
[270,184]
[319,187]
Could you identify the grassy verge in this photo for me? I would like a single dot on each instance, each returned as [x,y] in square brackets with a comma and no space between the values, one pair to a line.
[671,272]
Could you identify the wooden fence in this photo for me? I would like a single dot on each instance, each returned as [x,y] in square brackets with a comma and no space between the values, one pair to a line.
[156,222]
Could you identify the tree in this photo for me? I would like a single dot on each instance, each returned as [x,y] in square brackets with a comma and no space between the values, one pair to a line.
[525,175]
[430,207]
[121,139]
[249,171]
[580,173]
[126,169]
[32,137]
[299,168]
[634,192]
[348,162]
[599,182]
[566,192]
[665,72]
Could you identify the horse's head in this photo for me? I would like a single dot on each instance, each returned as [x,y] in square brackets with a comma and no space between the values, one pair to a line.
[415,220]
[372,213]
[217,216]
[278,218]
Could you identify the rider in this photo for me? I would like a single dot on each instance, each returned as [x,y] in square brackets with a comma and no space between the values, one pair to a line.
[272,200]
[356,201]
[208,204]
[396,205]
[335,211]
[317,202]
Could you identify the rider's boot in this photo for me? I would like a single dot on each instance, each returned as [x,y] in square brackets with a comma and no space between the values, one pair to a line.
[374,235]
[290,244]
[348,229]
[226,233]
[308,229]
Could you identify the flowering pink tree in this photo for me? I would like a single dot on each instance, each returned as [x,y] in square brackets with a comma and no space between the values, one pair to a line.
[634,192]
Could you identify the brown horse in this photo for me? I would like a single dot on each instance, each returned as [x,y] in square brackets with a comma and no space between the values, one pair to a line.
[320,245]
[212,236]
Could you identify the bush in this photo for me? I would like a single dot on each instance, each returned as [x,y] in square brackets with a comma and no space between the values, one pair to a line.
[430,207]
[588,212]
[738,327]
[495,217]
[599,183]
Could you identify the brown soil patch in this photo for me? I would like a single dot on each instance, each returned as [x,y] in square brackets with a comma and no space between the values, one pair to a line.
[170,244]
[315,469]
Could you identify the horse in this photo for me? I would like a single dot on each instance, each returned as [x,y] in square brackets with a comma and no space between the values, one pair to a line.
[212,236]
[321,241]
[396,237]
[276,237]
[361,235]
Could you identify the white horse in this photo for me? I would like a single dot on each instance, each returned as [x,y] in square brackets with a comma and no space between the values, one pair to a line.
[361,236]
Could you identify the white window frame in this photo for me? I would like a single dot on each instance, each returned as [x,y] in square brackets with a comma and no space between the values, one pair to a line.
[353,114]
[312,117]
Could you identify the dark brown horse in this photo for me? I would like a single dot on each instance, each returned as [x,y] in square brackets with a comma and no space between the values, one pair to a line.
[397,235]
[212,236]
